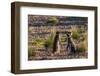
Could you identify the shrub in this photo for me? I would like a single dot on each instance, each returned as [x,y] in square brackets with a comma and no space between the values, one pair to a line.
[49,42]
[31,51]
[75,35]
[82,46]
[38,42]
[52,21]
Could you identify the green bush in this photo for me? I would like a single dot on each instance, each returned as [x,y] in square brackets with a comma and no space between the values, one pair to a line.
[38,42]
[49,42]
[75,35]
[52,21]
[31,51]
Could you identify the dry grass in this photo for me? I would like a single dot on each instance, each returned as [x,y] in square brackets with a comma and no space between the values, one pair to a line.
[79,36]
